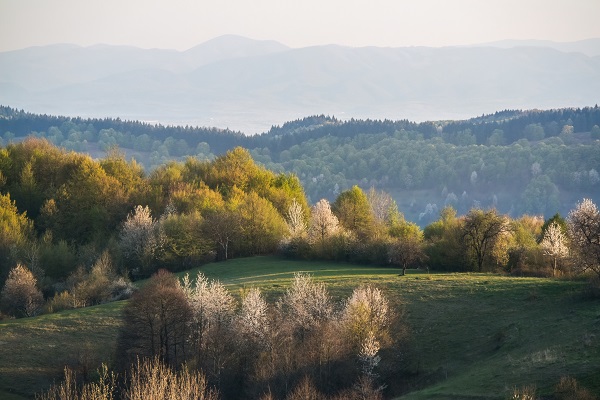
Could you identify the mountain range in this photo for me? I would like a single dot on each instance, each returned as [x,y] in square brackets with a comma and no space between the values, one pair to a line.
[250,85]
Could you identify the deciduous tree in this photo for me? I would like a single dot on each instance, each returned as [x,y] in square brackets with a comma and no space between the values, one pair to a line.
[213,312]
[141,237]
[584,232]
[366,314]
[20,296]
[15,230]
[262,227]
[156,321]
[252,321]
[354,212]
[306,303]
[323,223]
[481,230]
[407,251]
[223,227]
[554,244]
[295,220]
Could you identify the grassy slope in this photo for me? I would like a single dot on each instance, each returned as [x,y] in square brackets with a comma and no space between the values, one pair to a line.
[473,335]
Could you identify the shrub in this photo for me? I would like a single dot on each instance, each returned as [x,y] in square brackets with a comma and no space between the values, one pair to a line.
[146,380]
[63,301]
[568,389]
[523,393]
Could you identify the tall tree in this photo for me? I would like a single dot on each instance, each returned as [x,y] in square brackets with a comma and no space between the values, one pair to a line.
[554,244]
[141,238]
[262,226]
[354,212]
[481,230]
[366,312]
[445,246]
[223,227]
[306,303]
[156,321]
[295,220]
[407,251]
[584,231]
[323,223]
[213,309]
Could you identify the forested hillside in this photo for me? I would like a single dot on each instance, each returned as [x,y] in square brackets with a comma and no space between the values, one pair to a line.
[535,162]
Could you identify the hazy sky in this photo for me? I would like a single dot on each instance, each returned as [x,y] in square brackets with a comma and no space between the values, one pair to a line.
[181,24]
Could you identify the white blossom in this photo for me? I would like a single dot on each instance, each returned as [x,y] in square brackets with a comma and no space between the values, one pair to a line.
[323,223]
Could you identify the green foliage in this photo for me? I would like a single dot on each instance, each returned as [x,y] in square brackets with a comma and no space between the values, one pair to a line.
[534,132]
[262,226]
[445,247]
[58,260]
[482,232]
[185,243]
[541,196]
[556,218]
[191,198]
[98,285]
[525,254]
[15,230]
[354,212]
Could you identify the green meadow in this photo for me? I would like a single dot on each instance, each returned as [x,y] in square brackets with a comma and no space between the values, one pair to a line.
[470,336]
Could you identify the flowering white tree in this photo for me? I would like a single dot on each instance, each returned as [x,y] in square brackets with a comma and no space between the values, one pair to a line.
[554,244]
[366,319]
[366,313]
[213,311]
[306,303]
[323,223]
[141,236]
[295,220]
[253,320]
[368,356]
[584,231]
[381,204]
[213,307]
[20,296]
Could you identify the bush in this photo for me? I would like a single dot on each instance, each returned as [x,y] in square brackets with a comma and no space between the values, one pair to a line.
[523,393]
[63,301]
[146,380]
[568,389]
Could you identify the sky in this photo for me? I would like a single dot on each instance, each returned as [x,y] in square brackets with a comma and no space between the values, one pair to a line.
[182,24]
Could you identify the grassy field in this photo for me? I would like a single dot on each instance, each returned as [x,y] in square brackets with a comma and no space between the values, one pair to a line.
[472,336]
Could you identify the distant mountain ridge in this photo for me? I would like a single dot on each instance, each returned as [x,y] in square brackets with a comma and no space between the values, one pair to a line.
[249,85]
[589,47]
